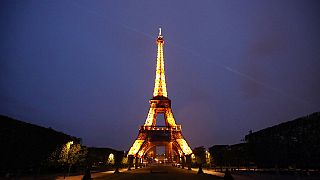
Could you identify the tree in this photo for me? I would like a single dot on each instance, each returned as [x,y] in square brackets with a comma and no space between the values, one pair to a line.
[200,155]
[69,155]
[124,160]
[110,159]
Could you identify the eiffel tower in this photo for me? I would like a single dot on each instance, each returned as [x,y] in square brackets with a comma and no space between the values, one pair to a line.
[151,135]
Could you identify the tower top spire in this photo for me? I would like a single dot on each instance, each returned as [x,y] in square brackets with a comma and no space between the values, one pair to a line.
[160,89]
[160,37]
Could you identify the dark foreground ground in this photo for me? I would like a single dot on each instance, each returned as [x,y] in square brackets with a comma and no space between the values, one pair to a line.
[158,172]
[154,172]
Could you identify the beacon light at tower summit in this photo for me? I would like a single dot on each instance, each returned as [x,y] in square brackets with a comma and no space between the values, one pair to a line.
[151,135]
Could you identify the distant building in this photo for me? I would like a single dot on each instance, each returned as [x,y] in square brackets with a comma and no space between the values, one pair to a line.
[293,144]
[290,145]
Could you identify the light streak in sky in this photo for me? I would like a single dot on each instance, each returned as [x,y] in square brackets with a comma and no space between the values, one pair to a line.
[206,59]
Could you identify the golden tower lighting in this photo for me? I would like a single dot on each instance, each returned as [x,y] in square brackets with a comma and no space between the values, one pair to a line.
[151,135]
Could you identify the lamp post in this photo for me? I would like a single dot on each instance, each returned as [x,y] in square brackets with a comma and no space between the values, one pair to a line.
[69,145]
[68,149]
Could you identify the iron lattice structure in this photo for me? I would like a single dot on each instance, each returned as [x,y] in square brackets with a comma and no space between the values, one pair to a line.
[151,135]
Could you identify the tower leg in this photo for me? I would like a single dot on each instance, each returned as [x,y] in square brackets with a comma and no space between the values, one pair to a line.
[169,152]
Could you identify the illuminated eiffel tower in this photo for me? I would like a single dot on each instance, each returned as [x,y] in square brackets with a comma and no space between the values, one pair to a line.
[151,135]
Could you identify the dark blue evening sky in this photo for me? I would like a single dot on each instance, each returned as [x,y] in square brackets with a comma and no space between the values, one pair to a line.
[87,68]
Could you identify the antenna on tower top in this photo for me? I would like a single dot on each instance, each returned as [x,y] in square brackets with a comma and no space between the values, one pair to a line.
[159,31]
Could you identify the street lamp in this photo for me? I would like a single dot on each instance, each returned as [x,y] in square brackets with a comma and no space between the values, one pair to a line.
[69,145]
[68,149]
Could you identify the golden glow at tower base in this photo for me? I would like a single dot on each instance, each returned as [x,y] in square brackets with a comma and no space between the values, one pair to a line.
[184,146]
[135,147]
[138,143]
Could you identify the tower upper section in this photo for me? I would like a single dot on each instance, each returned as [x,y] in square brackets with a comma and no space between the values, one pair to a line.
[160,89]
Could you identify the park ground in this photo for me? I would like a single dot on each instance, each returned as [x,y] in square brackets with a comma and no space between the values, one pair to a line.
[168,172]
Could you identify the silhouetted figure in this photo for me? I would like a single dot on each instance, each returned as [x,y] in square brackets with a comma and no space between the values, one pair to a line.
[130,162]
[188,161]
[117,170]
[227,175]
[117,161]
[200,171]
[87,174]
